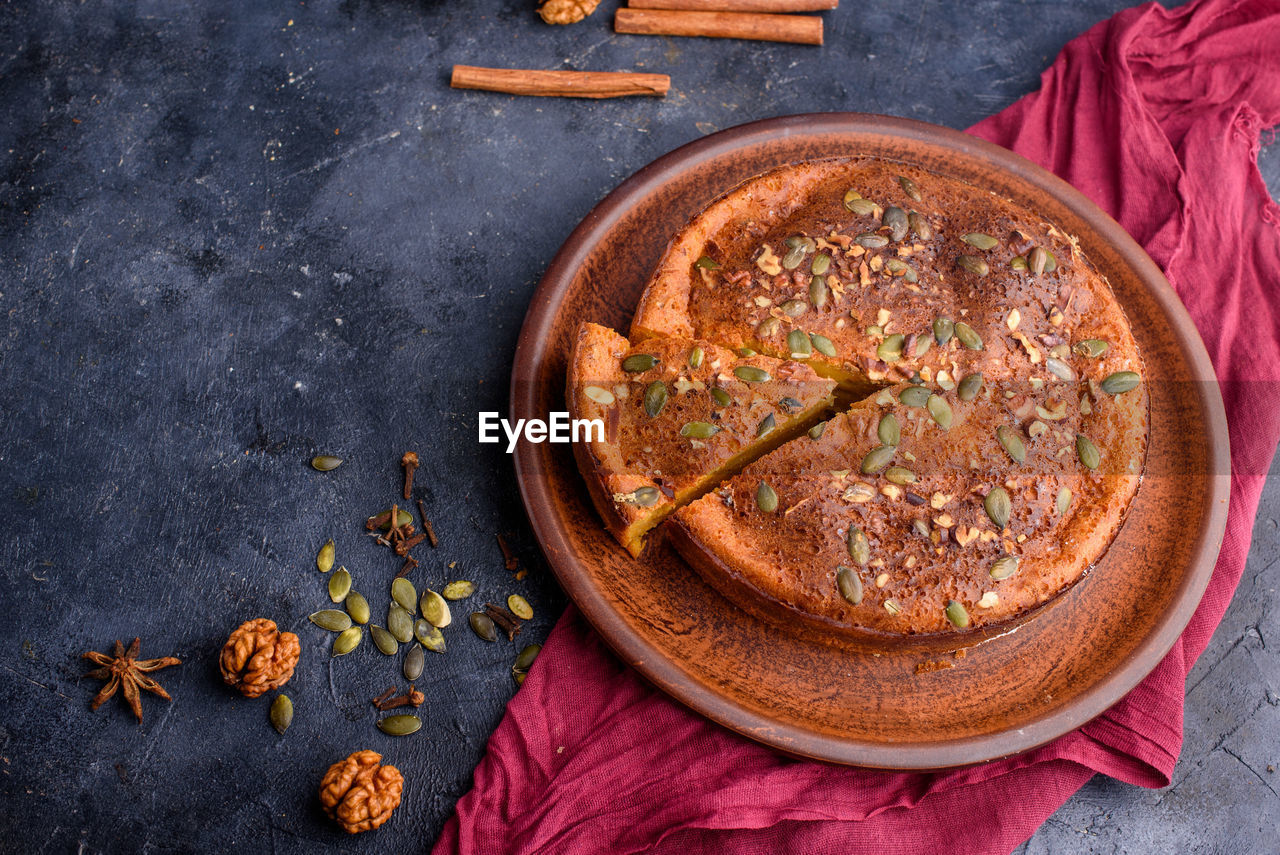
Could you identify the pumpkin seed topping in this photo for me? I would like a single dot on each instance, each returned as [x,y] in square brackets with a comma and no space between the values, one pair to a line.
[339,585]
[331,619]
[940,410]
[957,615]
[699,430]
[980,241]
[751,374]
[970,386]
[1088,452]
[1063,502]
[1059,369]
[943,329]
[1120,382]
[1012,443]
[877,459]
[766,426]
[858,545]
[400,725]
[909,187]
[914,396]
[998,506]
[325,463]
[899,475]
[920,226]
[695,358]
[638,363]
[281,714]
[706,262]
[1004,567]
[641,497]
[858,205]
[816,431]
[458,590]
[968,337]
[973,264]
[871,240]
[820,265]
[889,431]
[823,345]
[1091,348]
[1037,260]
[324,559]
[890,350]
[799,345]
[895,220]
[720,396]
[818,288]
[655,398]
[849,584]
[766,498]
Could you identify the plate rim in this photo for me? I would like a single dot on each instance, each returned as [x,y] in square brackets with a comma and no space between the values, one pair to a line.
[652,663]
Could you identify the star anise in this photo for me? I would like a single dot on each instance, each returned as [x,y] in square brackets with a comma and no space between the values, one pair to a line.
[126,671]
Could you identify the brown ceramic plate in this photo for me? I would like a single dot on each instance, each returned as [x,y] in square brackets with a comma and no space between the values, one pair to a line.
[1009,693]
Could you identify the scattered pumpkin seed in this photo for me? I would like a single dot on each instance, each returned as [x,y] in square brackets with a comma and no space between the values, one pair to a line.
[895,220]
[766,498]
[483,626]
[768,328]
[818,287]
[914,396]
[889,431]
[638,363]
[798,343]
[1018,263]
[899,475]
[792,258]
[706,262]
[1120,382]
[1091,348]
[1088,452]
[745,351]
[751,374]
[1059,369]
[1004,567]
[383,640]
[655,398]
[324,559]
[347,640]
[909,187]
[281,713]
[699,430]
[821,264]
[970,386]
[794,308]
[1063,502]
[720,396]
[923,344]
[920,225]
[940,410]
[403,592]
[890,350]
[858,545]
[980,241]
[861,207]
[403,517]
[432,639]
[1012,443]
[871,240]
[695,357]
[325,463]
[957,615]
[357,606]
[458,590]
[520,607]
[524,661]
[849,584]
[815,432]
[998,506]
[641,497]
[399,623]
[823,345]
[877,459]
[414,662]
[331,619]
[968,337]
[435,609]
[339,585]
[973,264]
[766,426]
[943,329]
[400,725]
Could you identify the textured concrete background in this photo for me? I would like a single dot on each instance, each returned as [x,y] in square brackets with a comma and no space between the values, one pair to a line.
[233,235]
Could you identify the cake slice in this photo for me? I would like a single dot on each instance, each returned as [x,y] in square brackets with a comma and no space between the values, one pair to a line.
[680,415]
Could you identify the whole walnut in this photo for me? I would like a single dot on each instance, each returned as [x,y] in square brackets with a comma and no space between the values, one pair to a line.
[258,658]
[360,794]
[566,11]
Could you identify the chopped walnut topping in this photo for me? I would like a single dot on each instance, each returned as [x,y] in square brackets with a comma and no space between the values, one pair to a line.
[882,580]
[768,262]
[1055,316]
[989,600]
[1015,318]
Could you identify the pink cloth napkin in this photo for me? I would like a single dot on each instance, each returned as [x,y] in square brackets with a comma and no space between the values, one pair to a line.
[1156,116]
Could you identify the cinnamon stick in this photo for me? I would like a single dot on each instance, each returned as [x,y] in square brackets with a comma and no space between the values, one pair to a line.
[780,6]
[568,84]
[797,29]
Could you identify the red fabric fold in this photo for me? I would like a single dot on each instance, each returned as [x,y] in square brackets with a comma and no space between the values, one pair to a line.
[1156,116]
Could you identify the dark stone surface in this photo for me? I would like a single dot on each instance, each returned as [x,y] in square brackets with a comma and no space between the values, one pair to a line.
[235,234]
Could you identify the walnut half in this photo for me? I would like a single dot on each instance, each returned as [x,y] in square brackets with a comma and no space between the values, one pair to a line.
[358,793]
[258,658]
[566,11]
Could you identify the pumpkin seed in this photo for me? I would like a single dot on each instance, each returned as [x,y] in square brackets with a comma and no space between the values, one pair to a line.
[638,363]
[791,260]
[957,615]
[751,374]
[403,517]
[1063,502]
[890,350]
[1004,567]
[482,625]
[324,559]
[973,264]
[339,585]
[914,396]
[899,475]
[721,396]
[858,545]
[896,266]
[1091,348]
[893,607]
[641,497]
[970,386]
[895,220]
[798,344]
[699,430]
[414,662]
[766,498]
[520,607]
[794,308]
[1088,452]
[877,459]
[923,344]
[347,640]
[940,410]
[968,337]
[655,398]
[431,638]
[1059,369]
[435,609]
[815,432]
[281,713]
[871,240]
[920,226]
[766,426]
[823,345]
[849,584]
[403,592]
[1018,263]
[889,431]
[524,661]
[943,329]
[768,328]
[459,590]
[745,351]
[861,207]
[818,288]
[695,358]
[1037,260]
[998,506]
[1012,443]
[400,725]
[1120,382]
[325,463]
[399,623]
[909,187]
[383,640]
[331,619]
[821,264]
[706,262]
[980,241]
[357,606]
